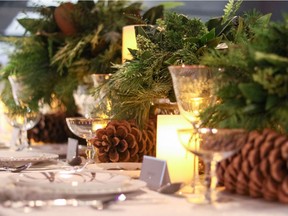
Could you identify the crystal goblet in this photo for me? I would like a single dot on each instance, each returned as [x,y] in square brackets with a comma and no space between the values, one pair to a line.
[26,118]
[194,90]
[24,122]
[85,128]
[88,103]
[213,146]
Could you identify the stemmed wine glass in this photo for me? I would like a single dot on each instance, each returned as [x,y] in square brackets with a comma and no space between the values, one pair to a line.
[85,128]
[25,118]
[194,90]
[214,146]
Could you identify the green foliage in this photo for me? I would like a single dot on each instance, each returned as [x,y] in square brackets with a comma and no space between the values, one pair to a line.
[55,63]
[256,67]
[230,9]
[176,39]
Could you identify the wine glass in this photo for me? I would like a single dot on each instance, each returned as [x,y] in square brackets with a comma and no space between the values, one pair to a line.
[24,118]
[213,146]
[194,90]
[85,128]
[23,122]
[86,102]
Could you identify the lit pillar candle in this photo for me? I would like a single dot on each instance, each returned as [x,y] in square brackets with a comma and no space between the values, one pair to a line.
[180,162]
[128,42]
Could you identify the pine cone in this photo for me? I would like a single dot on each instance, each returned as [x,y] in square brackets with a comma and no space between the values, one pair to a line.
[123,141]
[52,128]
[260,169]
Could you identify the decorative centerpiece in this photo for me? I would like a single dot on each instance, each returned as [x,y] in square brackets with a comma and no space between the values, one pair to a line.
[65,45]
[252,90]
[137,84]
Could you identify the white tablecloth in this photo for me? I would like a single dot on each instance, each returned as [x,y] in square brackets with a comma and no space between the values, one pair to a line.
[147,202]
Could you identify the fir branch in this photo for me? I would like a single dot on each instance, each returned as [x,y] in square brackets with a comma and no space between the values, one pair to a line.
[69,53]
[230,9]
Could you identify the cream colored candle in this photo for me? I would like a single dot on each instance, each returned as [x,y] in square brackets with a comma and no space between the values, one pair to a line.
[128,42]
[180,162]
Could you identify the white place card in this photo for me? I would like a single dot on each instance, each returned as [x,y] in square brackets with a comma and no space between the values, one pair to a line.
[154,172]
[72,149]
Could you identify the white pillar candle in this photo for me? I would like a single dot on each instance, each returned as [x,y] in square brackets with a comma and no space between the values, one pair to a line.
[180,162]
[128,42]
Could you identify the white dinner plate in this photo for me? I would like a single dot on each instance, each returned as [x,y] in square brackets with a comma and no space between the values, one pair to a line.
[71,184]
[16,158]
[60,149]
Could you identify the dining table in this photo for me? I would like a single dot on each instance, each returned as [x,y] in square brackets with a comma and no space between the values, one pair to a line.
[138,200]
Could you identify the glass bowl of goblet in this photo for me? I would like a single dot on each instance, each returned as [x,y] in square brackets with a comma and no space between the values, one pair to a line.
[212,145]
[25,118]
[86,128]
[194,88]
[23,122]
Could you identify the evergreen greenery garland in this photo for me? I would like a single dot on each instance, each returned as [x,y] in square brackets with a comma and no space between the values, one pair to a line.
[255,94]
[69,42]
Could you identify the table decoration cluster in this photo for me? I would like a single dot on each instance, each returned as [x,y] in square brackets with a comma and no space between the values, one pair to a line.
[224,81]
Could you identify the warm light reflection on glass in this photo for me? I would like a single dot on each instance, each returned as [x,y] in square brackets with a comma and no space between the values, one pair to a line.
[122,197]
[60,202]
[98,125]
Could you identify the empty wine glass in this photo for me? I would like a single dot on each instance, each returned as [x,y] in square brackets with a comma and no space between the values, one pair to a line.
[213,146]
[87,103]
[194,90]
[23,122]
[25,118]
[85,128]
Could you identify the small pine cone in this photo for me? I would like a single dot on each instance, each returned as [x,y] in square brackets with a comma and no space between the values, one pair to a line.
[260,167]
[122,141]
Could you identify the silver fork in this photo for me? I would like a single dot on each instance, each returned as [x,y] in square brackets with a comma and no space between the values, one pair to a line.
[17,168]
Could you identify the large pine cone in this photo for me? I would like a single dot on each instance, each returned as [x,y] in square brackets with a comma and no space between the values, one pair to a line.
[123,141]
[260,169]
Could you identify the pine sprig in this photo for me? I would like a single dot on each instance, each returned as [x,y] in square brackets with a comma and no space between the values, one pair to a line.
[230,9]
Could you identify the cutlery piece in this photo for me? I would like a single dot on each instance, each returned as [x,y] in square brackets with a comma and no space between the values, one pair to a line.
[16,169]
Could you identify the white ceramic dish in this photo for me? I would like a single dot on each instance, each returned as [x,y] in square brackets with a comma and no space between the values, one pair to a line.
[77,184]
[16,158]
[60,149]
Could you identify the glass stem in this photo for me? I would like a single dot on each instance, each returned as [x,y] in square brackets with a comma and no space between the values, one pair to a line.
[210,180]
[90,152]
[23,139]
